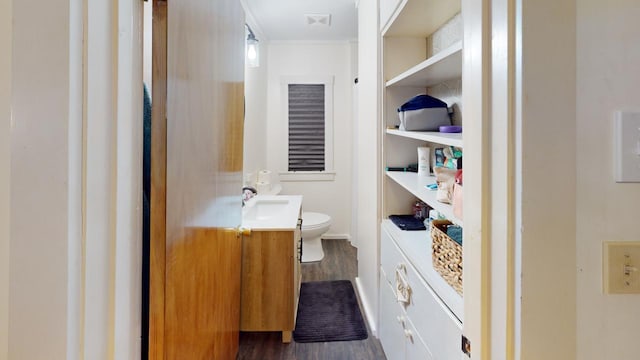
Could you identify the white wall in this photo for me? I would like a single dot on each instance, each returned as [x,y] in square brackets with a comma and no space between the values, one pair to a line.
[255,117]
[368,159]
[607,80]
[545,179]
[147,44]
[319,59]
[5,171]
[39,209]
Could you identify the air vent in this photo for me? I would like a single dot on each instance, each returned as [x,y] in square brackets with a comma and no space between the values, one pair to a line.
[318,19]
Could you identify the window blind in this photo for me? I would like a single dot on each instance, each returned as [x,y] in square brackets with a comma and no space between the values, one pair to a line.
[306,127]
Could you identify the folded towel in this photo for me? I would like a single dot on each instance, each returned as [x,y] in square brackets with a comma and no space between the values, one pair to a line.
[455,233]
[407,222]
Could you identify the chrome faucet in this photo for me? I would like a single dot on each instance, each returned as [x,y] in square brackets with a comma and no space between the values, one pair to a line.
[247,193]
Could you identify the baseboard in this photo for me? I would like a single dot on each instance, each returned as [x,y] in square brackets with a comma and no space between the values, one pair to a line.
[369,314]
[336,237]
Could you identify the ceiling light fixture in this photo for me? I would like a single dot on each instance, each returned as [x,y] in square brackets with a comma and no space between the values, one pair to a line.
[253,54]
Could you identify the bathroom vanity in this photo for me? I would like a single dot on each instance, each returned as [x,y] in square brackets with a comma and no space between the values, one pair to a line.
[271,264]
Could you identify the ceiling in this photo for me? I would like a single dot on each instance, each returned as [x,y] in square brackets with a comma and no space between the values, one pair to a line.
[284,20]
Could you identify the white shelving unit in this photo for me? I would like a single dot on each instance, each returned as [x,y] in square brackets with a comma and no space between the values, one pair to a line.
[416,185]
[419,18]
[434,310]
[453,139]
[443,66]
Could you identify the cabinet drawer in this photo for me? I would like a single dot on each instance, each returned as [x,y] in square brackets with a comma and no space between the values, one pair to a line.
[435,323]
[398,335]
[391,324]
[415,347]
[390,256]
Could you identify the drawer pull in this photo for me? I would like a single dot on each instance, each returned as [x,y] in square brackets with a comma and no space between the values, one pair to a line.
[403,290]
[408,334]
[400,320]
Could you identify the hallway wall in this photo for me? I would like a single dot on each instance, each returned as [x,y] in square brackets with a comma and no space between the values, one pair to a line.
[607,80]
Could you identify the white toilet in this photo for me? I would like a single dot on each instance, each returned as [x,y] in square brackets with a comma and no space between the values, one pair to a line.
[313,226]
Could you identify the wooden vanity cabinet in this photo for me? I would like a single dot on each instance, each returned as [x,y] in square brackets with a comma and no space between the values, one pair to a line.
[270,281]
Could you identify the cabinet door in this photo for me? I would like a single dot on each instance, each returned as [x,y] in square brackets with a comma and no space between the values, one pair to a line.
[390,256]
[297,270]
[392,319]
[267,281]
[415,348]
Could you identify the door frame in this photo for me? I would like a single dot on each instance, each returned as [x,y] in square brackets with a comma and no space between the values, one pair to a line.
[512,97]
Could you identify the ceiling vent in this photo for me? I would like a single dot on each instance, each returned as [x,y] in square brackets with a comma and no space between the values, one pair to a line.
[318,19]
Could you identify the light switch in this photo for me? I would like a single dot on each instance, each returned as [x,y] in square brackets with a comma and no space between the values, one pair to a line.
[627,146]
[621,267]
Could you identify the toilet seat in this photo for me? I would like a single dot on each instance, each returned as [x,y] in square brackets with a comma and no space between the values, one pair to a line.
[313,220]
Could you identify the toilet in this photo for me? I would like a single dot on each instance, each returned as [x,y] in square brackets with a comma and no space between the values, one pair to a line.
[313,226]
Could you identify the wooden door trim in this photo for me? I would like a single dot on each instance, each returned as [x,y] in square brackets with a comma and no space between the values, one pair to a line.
[158,199]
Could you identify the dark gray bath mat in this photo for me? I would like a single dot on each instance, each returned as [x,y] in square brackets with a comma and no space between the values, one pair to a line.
[328,311]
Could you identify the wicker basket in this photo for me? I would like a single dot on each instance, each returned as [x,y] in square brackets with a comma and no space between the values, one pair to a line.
[447,255]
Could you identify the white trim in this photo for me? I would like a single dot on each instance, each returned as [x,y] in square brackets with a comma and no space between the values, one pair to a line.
[476,97]
[112,143]
[502,233]
[369,313]
[75,290]
[6,15]
[98,184]
[128,183]
[255,25]
[294,176]
[336,237]
[328,82]
[313,42]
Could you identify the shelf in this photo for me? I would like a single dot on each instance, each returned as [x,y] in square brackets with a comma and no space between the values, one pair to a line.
[416,246]
[454,139]
[420,18]
[416,185]
[443,66]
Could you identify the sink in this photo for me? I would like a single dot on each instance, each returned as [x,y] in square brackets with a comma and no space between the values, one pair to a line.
[265,209]
[272,212]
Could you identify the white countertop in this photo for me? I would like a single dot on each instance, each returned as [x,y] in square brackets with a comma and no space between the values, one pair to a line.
[286,217]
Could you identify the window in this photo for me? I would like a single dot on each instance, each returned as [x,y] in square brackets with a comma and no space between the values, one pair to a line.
[308,105]
[306,127]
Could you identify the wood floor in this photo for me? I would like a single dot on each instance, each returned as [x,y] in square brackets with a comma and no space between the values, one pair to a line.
[339,263]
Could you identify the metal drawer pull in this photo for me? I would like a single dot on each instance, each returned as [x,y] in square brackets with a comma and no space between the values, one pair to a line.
[400,319]
[408,334]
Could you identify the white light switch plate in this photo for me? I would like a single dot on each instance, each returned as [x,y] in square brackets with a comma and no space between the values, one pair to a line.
[627,146]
